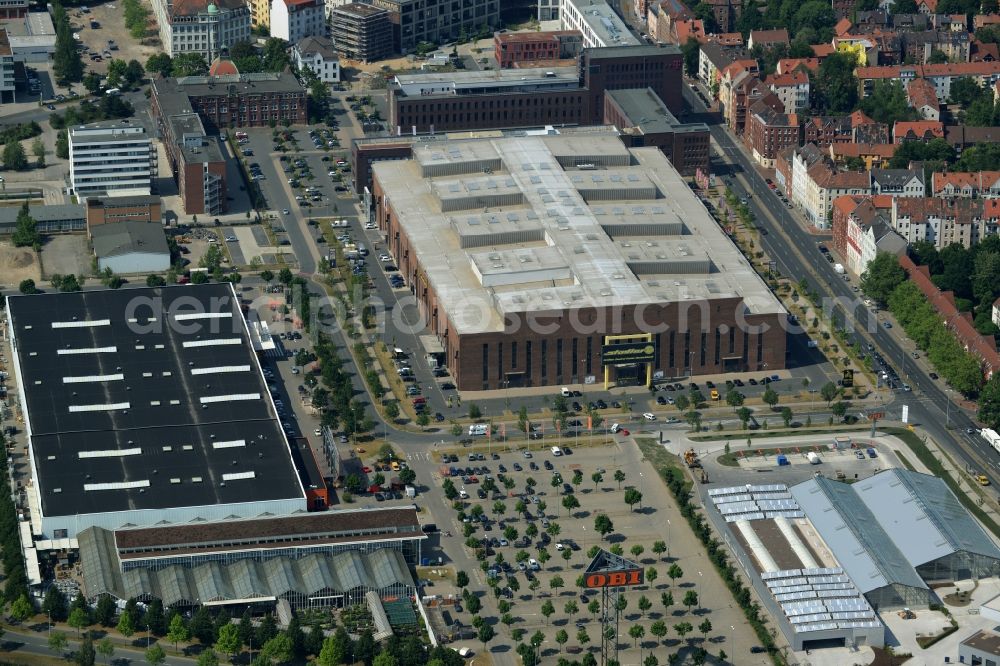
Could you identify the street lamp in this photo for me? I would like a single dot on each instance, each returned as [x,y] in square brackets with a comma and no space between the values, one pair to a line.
[668,538]
[700,576]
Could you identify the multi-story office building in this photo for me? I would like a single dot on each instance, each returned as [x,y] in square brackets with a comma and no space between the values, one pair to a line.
[6,69]
[111,157]
[234,100]
[361,32]
[431,102]
[294,20]
[555,260]
[205,27]
[535,49]
[437,21]
[598,23]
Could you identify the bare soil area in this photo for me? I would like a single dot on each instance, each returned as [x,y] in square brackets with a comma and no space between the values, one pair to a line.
[17,264]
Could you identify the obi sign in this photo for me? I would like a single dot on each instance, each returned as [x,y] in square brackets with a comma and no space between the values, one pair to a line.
[625,578]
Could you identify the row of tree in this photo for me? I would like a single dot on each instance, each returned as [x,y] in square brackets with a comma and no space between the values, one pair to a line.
[16,584]
[66,61]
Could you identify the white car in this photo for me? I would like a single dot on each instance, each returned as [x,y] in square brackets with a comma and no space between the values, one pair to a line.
[649,416]
[371,225]
[615,427]
[384,257]
[318,432]
[331,173]
[559,546]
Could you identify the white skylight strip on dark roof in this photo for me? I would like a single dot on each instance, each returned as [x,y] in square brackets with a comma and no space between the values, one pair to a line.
[117,485]
[86,323]
[232,397]
[235,476]
[88,350]
[214,342]
[111,453]
[93,378]
[100,408]
[203,315]
[220,369]
[236,443]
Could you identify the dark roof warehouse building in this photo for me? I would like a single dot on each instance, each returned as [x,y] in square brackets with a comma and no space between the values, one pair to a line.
[146,406]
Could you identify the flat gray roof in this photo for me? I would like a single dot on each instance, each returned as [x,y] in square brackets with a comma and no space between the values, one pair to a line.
[117,238]
[602,20]
[488,81]
[53,213]
[514,225]
[648,112]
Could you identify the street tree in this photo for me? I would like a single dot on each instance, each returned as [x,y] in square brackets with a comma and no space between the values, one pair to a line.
[734,399]
[619,477]
[770,397]
[603,525]
[690,599]
[644,604]
[683,629]
[786,416]
[658,629]
[57,642]
[548,609]
[705,627]
[632,497]
[569,503]
[177,632]
[561,638]
[106,648]
[637,550]
[744,414]
[651,575]
[667,599]
[829,392]
[882,277]
[674,572]
[155,655]
[78,619]
[636,631]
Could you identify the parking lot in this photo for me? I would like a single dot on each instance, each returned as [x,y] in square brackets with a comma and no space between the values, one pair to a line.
[534,519]
[110,25]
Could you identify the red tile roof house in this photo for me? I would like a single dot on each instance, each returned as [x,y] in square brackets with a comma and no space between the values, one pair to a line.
[920,130]
[968,184]
[959,323]
[924,99]
[768,38]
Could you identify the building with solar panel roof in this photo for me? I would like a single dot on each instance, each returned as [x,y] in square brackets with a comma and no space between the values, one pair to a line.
[826,557]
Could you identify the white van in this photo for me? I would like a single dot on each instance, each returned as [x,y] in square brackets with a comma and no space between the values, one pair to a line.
[615,427]
[556,451]
[565,392]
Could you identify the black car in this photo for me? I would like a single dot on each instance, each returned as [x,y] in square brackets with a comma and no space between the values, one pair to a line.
[709,385]
[439,417]
[660,400]
[601,404]
[501,468]
[535,435]
[547,465]
[753,382]
[738,382]
[577,407]
[533,466]
[933,375]
[693,386]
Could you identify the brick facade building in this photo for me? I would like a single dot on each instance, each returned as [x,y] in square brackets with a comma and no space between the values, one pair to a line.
[504,98]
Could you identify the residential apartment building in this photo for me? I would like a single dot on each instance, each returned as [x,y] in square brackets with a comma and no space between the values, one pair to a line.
[923,98]
[597,22]
[917,130]
[862,229]
[6,69]
[294,20]
[714,57]
[961,325]
[319,56]
[919,46]
[361,32]
[437,21]
[260,13]
[662,15]
[233,100]
[447,101]
[940,76]
[938,221]
[205,27]
[644,120]
[827,130]
[966,184]
[111,158]
[766,39]
[898,182]
[872,155]
[816,183]
[791,88]
[535,49]
[769,131]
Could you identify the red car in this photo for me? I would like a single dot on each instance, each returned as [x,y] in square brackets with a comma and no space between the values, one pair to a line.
[623,433]
[366,469]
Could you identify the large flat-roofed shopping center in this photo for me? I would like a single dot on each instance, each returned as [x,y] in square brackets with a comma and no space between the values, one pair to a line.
[543,260]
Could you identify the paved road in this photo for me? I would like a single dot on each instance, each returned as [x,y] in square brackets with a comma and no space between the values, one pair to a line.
[796,253]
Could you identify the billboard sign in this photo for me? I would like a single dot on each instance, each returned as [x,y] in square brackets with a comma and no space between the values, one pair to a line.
[628,352]
[610,570]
